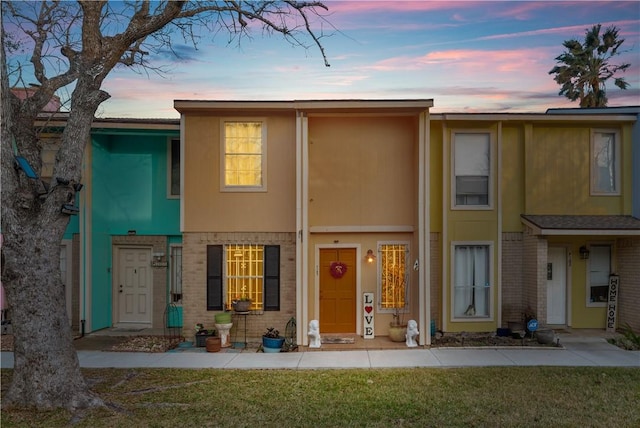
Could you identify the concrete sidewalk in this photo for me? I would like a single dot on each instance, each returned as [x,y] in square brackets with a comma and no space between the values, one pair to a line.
[576,351]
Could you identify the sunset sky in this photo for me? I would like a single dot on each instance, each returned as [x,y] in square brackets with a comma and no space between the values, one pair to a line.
[466,56]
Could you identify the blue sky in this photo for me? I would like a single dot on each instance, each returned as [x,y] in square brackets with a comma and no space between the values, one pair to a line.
[467,56]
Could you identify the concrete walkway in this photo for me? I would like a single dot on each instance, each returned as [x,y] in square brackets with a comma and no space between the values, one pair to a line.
[576,351]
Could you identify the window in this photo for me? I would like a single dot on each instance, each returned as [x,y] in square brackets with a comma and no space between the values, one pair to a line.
[605,174]
[174,168]
[243,156]
[394,276]
[176,274]
[243,270]
[599,271]
[472,281]
[471,166]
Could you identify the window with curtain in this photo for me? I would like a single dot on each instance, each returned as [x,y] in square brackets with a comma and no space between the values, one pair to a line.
[599,272]
[243,155]
[394,276]
[471,165]
[604,163]
[472,281]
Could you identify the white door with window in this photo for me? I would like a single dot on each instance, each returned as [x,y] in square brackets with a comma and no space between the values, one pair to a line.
[557,285]
[134,285]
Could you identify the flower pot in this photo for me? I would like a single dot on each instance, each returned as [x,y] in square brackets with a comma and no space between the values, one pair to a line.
[272,344]
[242,305]
[223,318]
[397,333]
[545,336]
[201,339]
[213,344]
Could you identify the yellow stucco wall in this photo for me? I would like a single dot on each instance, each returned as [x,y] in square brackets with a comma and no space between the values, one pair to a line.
[208,209]
[557,170]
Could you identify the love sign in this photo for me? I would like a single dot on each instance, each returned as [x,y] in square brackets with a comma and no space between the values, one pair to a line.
[368,315]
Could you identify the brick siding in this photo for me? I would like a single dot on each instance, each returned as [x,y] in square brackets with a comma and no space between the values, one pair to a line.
[194,281]
[629,294]
[512,276]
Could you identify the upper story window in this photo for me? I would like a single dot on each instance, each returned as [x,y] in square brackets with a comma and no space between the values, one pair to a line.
[244,156]
[471,169]
[394,275]
[173,165]
[605,163]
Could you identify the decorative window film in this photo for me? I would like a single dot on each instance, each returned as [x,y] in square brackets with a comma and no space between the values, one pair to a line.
[245,274]
[394,276]
[472,281]
[599,272]
[471,168]
[243,157]
[605,174]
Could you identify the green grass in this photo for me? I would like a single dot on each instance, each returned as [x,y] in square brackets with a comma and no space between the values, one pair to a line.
[465,397]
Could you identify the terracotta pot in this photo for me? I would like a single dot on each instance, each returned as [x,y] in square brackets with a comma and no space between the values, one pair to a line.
[213,344]
[397,333]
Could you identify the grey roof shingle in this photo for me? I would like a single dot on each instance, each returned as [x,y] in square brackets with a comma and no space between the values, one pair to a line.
[583,222]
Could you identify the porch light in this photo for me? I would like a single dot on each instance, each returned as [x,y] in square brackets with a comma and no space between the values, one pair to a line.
[584,253]
[370,257]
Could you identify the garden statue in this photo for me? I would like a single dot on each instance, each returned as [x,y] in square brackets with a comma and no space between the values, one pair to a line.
[412,333]
[314,334]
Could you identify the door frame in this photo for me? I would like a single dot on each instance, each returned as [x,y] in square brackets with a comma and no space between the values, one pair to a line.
[115,307]
[568,263]
[316,297]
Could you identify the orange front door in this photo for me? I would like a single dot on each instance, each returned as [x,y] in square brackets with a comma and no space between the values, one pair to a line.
[338,295]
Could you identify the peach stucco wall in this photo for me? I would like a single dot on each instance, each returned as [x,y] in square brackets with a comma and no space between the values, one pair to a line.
[206,208]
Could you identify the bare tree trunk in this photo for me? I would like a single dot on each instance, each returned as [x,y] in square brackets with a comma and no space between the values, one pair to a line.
[46,369]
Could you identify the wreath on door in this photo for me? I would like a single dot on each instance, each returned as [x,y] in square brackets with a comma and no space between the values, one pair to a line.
[338,269]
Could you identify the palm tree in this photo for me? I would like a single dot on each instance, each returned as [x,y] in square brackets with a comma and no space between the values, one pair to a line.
[584,68]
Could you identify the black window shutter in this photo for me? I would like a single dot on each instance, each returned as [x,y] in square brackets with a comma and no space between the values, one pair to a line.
[214,278]
[271,277]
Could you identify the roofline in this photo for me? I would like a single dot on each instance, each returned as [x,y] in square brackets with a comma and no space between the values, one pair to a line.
[537,230]
[60,120]
[334,105]
[533,117]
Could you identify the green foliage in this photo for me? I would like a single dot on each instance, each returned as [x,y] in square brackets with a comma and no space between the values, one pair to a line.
[585,67]
[272,333]
[630,335]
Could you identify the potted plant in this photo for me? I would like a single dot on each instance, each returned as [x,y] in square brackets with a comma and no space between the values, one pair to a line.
[397,327]
[202,335]
[272,341]
[242,305]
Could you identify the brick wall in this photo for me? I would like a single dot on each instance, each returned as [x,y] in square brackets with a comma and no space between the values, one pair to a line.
[160,287]
[512,276]
[194,279]
[534,271]
[629,293]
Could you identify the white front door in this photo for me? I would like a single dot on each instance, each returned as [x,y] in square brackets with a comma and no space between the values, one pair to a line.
[134,285]
[557,285]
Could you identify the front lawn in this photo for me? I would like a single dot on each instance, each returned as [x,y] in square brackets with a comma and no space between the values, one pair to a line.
[486,397]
